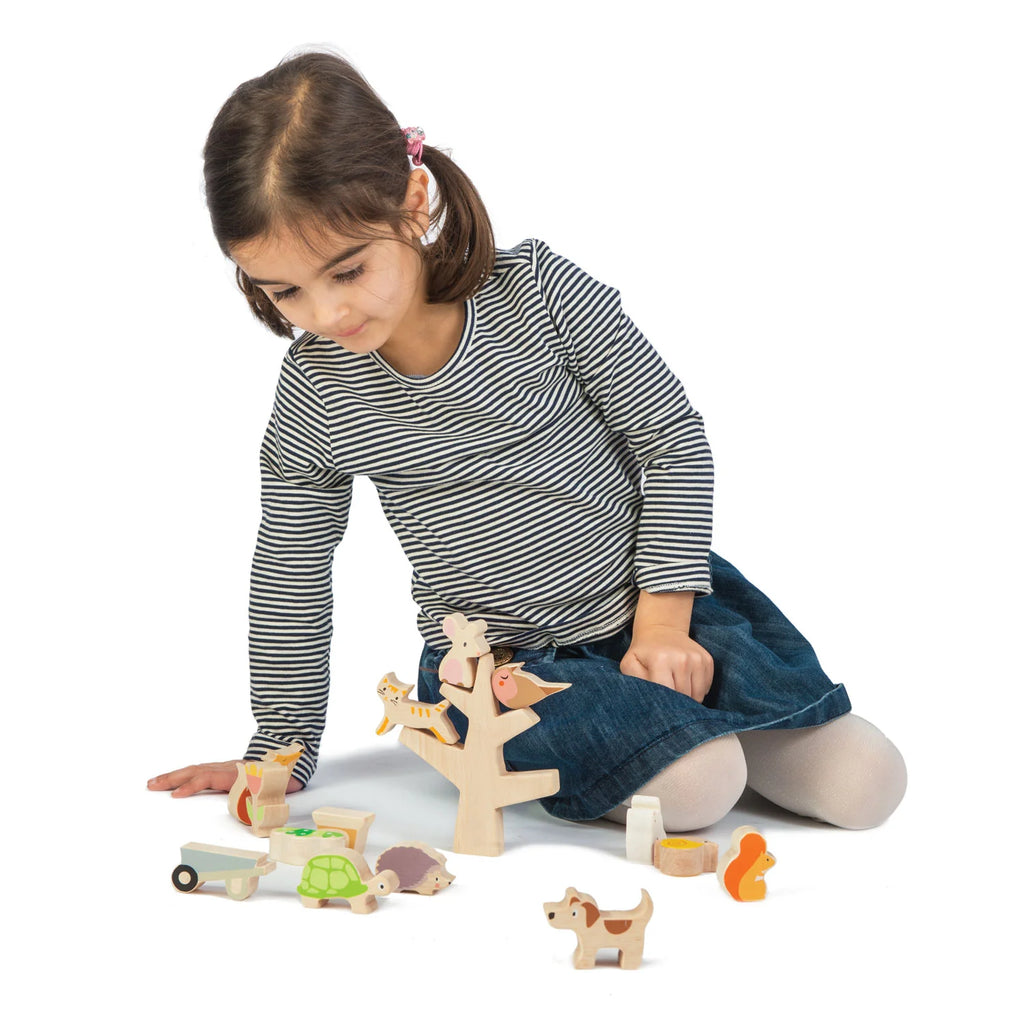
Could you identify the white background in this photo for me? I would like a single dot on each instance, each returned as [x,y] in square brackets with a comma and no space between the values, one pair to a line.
[815,212]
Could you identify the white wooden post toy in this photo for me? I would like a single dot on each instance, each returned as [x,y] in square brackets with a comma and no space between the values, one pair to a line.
[644,828]
[598,929]
[741,871]
[239,870]
[257,798]
[683,858]
[477,767]
[354,824]
[344,877]
[413,714]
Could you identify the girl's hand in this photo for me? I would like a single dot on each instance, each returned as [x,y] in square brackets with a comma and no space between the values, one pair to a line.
[216,775]
[662,651]
[668,656]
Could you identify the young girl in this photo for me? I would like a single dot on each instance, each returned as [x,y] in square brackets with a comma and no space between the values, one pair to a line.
[539,463]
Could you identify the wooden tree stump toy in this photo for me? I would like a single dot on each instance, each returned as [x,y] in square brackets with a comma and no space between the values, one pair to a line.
[257,798]
[239,870]
[354,824]
[684,858]
[413,714]
[420,868]
[477,767]
[644,828]
[596,929]
[299,845]
[344,877]
[741,871]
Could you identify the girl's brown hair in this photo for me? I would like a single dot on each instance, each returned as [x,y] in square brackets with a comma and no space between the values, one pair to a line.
[310,145]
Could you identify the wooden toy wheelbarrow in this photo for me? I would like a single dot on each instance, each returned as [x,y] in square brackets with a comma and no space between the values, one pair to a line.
[239,870]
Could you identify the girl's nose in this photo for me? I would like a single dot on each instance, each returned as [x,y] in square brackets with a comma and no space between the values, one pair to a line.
[331,318]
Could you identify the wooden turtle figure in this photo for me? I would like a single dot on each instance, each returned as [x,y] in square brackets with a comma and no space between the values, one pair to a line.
[336,877]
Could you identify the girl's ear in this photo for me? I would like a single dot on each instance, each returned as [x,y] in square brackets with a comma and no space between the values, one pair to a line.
[417,200]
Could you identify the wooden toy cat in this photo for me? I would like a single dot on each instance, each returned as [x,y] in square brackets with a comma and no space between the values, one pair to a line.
[399,710]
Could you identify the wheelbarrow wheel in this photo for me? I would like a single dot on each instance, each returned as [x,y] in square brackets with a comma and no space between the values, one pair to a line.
[185,878]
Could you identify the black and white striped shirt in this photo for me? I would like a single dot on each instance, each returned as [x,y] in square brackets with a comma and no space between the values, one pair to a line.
[551,468]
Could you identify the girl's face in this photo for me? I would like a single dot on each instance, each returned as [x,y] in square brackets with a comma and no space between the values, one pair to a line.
[359,294]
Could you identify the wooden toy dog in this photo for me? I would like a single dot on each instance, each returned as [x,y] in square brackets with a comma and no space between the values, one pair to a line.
[596,929]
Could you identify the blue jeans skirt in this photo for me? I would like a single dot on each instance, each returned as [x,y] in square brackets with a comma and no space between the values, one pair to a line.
[609,733]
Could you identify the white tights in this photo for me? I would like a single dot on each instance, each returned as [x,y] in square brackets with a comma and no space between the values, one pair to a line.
[845,772]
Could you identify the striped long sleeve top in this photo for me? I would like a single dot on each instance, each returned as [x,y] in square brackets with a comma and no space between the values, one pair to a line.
[552,468]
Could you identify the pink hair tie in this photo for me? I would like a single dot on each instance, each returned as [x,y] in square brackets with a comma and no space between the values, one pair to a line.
[414,144]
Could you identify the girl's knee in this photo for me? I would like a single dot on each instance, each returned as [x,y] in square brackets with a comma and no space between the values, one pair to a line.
[846,772]
[863,792]
[702,786]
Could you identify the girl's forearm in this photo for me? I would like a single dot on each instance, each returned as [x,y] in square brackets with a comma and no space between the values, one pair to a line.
[672,609]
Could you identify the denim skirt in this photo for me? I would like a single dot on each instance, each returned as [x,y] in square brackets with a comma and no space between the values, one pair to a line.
[609,733]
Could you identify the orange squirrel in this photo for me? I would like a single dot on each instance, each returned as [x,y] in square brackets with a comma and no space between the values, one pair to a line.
[742,870]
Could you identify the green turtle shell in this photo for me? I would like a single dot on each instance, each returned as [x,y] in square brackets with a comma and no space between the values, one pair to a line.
[328,877]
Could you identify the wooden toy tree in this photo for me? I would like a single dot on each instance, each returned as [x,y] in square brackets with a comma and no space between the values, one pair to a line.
[477,766]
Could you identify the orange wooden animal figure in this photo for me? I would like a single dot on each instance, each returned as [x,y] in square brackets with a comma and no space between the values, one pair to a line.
[399,710]
[742,869]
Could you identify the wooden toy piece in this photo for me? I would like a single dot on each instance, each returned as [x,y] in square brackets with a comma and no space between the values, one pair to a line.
[458,666]
[257,798]
[644,828]
[399,710]
[477,767]
[240,870]
[683,858]
[299,845]
[741,870]
[420,868]
[518,689]
[596,929]
[344,877]
[354,824]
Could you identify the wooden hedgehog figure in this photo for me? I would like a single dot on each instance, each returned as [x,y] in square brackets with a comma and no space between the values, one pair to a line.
[741,870]
[420,868]
[602,929]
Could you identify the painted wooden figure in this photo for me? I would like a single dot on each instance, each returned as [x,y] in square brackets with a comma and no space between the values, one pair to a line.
[257,798]
[239,870]
[299,845]
[413,714]
[477,767]
[344,877]
[420,868]
[741,870]
[683,858]
[602,929]
[354,824]
[516,688]
[458,666]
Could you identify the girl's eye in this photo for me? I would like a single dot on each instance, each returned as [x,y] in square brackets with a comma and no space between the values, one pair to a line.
[345,277]
[349,275]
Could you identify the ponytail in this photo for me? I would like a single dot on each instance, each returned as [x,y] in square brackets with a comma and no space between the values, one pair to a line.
[461,257]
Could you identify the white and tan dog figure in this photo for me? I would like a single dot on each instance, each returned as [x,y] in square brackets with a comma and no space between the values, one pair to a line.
[596,929]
